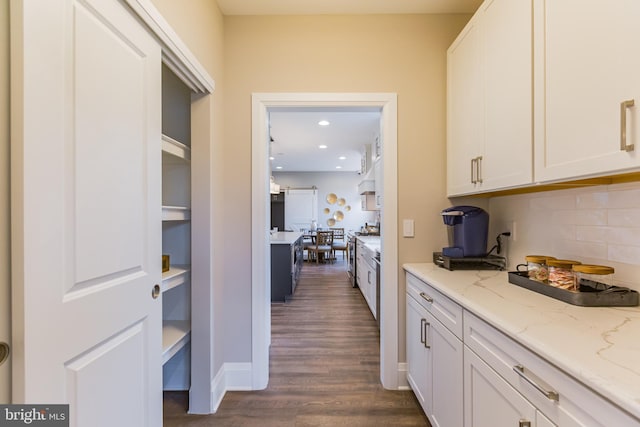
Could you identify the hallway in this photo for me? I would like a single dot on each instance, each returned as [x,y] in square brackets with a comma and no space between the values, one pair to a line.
[324,367]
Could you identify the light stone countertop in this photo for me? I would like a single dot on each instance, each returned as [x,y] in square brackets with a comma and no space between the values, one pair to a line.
[598,346]
[285,237]
[372,242]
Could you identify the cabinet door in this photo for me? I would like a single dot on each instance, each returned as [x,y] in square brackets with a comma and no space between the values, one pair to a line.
[378,183]
[489,400]
[507,160]
[591,67]
[445,373]
[465,108]
[86,216]
[417,352]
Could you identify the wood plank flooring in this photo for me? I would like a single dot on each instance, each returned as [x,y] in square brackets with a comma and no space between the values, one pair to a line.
[324,366]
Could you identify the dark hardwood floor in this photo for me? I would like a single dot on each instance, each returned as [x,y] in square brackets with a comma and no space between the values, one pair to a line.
[324,366]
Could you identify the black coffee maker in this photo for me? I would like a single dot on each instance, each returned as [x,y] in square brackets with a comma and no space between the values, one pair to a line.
[468,228]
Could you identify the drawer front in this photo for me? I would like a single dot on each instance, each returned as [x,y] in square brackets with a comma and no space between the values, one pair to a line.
[561,398]
[440,306]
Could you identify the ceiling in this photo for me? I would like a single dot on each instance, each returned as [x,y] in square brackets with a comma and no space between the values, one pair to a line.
[297,138]
[333,7]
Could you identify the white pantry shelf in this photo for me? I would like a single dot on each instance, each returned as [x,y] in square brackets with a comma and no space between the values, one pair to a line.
[176,276]
[175,335]
[175,148]
[176,213]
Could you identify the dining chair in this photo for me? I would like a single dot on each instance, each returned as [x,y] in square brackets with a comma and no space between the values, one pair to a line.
[322,246]
[307,242]
[339,243]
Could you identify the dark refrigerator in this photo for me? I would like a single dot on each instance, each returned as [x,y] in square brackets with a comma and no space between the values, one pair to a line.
[277,211]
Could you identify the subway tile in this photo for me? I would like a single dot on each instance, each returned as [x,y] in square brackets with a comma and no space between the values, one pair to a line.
[627,198]
[624,217]
[594,200]
[626,254]
[590,233]
[580,217]
[579,250]
[563,231]
[623,236]
[552,203]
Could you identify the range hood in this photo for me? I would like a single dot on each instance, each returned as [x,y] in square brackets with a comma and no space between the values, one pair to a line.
[273,187]
[367,186]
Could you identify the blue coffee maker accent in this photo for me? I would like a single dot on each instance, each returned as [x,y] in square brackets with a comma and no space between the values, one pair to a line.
[468,230]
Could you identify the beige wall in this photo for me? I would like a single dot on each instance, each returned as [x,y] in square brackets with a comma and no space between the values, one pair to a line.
[405,54]
[5,271]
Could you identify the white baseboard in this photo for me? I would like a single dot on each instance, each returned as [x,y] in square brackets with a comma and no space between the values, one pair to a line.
[238,376]
[403,384]
[230,377]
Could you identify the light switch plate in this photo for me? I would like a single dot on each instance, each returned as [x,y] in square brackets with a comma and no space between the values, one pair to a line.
[408,228]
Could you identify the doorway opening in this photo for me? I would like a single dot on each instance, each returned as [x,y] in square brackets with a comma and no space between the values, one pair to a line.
[261,297]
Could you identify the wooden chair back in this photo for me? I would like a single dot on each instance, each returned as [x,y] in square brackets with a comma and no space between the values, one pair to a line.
[338,233]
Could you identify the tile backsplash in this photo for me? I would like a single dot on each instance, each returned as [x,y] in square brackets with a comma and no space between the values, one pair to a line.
[594,225]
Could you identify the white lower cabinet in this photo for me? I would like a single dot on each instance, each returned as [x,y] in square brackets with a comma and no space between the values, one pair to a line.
[508,385]
[490,401]
[434,356]
[465,372]
[366,276]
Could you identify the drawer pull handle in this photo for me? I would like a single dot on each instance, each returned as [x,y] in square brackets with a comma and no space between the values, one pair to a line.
[426,297]
[549,394]
[624,106]
[426,329]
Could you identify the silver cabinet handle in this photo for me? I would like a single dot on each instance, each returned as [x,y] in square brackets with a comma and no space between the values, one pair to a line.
[422,331]
[624,106]
[549,394]
[479,168]
[426,340]
[474,168]
[426,297]
[524,423]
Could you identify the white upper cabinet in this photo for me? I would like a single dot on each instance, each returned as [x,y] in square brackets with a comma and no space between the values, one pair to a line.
[489,103]
[586,66]
[465,111]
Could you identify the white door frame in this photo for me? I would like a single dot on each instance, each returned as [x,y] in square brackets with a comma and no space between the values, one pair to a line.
[260,249]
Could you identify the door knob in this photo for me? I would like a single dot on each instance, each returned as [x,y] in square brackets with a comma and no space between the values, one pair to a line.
[155,293]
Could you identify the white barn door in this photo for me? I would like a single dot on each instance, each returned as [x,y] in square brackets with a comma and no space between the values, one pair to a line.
[300,208]
[86,225]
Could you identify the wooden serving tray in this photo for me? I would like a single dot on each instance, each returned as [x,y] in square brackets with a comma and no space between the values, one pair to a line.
[591,294]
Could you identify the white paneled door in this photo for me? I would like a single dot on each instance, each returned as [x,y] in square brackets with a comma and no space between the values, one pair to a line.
[86,211]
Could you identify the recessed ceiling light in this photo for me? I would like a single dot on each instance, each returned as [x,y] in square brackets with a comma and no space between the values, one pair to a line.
[278,167]
[338,167]
[322,147]
[324,123]
[272,158]
[342,158]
